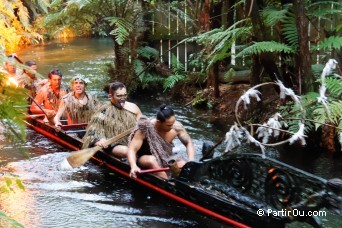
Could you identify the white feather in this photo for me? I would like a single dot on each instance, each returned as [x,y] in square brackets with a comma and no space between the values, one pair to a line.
[299,135]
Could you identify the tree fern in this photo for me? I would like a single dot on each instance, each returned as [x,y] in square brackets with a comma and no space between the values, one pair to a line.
[273,16]
[122,28]
[332,42]
[334,87]
[335,115]
[148,52]
[177,76]
[323,8]
[265,46]
[289,30]
[172,80]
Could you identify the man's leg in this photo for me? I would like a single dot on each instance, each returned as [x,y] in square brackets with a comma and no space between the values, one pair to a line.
[150,162]
[120,151]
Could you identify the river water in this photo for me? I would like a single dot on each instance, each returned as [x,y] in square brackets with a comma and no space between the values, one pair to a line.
[90,196]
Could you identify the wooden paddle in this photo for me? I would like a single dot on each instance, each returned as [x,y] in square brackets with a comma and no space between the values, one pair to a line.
[80,157]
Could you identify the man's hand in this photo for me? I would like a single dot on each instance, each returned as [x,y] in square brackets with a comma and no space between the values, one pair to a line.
[101,143]
[134,171]
[50,113]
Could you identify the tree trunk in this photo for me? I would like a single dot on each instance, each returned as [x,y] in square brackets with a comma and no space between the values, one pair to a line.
[266,59]
[303,59]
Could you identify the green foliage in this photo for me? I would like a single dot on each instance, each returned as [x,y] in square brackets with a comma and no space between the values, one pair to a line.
[334,87]
[12,107]
[265,46]
[289,30]
[217,42]
[122,28]
[334,116]
[201,101]
[324,9]
[315,113]
[177,76]
[332,42]
[148,52]
[143,67]
[15,26]
[8,222]
[272,16]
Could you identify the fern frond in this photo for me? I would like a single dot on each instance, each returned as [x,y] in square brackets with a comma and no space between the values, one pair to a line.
[148,52]
[272,16]
[122,28]
[332,42]
[265,46]
[177,66]
[334,87]
[138,67]
[289,30]
[172,80]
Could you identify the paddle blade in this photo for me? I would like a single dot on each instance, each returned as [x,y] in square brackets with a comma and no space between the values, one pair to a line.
[78,158]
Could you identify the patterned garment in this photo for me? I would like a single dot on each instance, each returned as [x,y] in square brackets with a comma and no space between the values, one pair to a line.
[77,112]
[108,122]
[31,84]
[158,147]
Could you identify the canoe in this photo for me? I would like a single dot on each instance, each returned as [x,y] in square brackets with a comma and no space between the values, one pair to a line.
[232,188]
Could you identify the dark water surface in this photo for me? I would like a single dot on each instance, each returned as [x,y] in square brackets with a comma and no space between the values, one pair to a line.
[92,197]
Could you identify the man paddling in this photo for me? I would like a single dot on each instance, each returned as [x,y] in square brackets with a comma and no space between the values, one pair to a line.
[49,96]
[111,119]
[78,105]
[151,145]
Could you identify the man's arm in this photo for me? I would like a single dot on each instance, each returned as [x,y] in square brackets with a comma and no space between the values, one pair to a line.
[39,100]
[133,148]
[185,138]
[61,110]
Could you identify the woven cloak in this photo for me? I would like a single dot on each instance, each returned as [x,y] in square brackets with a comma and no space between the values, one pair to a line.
[108,122]
[160,148]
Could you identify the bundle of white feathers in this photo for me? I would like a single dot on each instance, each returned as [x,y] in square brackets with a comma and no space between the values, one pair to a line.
[274,125]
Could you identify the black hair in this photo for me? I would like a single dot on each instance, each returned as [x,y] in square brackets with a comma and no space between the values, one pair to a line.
[55,72]
[115,86]
[30,63]
[164,113]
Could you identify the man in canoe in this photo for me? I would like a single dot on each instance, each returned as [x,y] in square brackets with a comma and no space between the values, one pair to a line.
[151,145]
[49,96]
[10,72]
[111,119]
[28,79]
[78,105]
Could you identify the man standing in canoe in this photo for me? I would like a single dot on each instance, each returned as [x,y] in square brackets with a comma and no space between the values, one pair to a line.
[151,145]
[111,119]
[78,105]
[49,95]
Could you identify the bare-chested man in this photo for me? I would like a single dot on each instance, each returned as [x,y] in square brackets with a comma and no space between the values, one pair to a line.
[151,143]
[49,96]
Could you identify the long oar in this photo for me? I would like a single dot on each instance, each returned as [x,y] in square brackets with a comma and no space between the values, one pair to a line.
[34,101]
[80,157]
